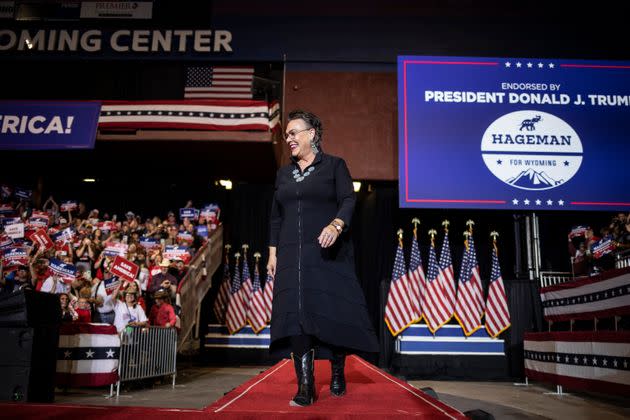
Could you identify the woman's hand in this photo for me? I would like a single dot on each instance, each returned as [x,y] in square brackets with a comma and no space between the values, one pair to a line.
[271,265]
[328,236]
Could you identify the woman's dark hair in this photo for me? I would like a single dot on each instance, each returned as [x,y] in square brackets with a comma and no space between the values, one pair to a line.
[312,121]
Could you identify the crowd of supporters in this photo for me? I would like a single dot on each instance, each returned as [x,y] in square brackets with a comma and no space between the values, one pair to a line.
[593,252]
[68,250]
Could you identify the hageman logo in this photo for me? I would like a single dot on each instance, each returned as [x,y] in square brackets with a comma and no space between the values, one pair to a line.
[531,150]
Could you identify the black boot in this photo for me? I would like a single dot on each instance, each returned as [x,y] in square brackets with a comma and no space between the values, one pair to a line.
[305,372]
[338,379]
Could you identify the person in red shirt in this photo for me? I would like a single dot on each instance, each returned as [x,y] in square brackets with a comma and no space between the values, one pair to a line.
[162,312]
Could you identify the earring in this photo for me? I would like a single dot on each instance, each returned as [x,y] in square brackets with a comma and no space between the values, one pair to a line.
[314,147]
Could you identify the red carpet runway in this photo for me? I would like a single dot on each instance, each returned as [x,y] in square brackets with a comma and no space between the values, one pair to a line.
[372,393]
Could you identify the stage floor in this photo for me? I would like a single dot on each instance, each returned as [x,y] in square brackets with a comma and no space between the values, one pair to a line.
[199,387]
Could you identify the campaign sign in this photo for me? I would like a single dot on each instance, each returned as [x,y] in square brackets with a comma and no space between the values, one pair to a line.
[15,256]
[65,236]
[124,268]
[6,209]
[41,238]
[149,243]
[188,213]
[15,230]
[513,133]
[38,220]
[111,284]
[5,241]
[36,125]
[116,249]
[202,230]
[6,221]
[107,226]
[67,272]
[68,206]
[177,252]
[19,192]
[185,236]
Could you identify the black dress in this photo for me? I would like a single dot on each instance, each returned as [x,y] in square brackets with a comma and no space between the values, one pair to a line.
[316,291]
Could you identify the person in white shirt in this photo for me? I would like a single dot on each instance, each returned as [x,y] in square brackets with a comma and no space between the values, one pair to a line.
[55,284]
[129,313]
[103,302]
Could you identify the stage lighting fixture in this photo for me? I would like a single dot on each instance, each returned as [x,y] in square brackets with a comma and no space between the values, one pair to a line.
[357,186]
[226,183]
[89,180]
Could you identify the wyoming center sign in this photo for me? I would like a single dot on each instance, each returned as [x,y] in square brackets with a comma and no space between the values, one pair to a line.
[513,133]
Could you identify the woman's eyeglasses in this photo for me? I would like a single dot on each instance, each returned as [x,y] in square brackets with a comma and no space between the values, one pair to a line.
[291,134]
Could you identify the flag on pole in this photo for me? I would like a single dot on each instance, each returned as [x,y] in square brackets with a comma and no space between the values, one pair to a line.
[256,313]
[236,314]
[497,312]
[469,307]
[219,82]
[447,275]
[398,312]
[221,301]
[268,297]
[246,289]
[435,311]
[417,280]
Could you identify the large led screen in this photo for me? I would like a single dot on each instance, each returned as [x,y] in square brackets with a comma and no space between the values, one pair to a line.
[513,133]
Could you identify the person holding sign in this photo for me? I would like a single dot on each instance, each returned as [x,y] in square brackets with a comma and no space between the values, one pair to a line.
[319,310]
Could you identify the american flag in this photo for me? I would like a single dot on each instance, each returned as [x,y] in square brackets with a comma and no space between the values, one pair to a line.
[268,297]
[435,311]
[469,307]
[398,312]
[247,288]
[256,313]
[417,280]
[221,301]
[497,312]
[219,82]
[236,314]
[447,276]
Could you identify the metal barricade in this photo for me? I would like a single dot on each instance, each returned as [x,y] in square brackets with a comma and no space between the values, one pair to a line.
[146,352]
[622,259]
[551,278]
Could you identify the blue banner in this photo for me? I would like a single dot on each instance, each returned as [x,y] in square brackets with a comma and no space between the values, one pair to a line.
[513,133]
[34,125]
[188,213]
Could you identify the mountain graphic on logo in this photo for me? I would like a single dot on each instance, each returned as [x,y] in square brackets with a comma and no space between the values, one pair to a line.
[531,179]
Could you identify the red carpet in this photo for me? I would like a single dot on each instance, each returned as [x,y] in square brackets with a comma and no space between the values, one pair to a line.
[371,394]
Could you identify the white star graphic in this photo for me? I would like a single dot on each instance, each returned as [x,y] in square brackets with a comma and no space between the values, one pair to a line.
[625,364]
[529,65]
[615,363]
[67,354]
[518,64]
[541,65]
[515,201]
[561,202]
[508,64]
[594,360]
[585,360]
[526,202]
[110,353]
[557,357]
[89,354]
[575,359]
[549,202]
[605,362]
[538,202]
[150,112]
[190,113]
[551,65]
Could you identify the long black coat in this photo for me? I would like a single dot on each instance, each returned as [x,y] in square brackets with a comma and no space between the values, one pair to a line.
[316,291]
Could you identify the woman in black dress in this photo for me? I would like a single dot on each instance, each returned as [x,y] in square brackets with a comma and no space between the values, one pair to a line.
[319,310]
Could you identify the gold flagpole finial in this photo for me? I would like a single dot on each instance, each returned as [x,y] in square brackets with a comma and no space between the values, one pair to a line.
[227,247]
[470,225]
[432,234]
[257,256]
[415,221]
[445,223]
[245,247]
[466,236]
[400,236]
[237,255]
[494,235]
